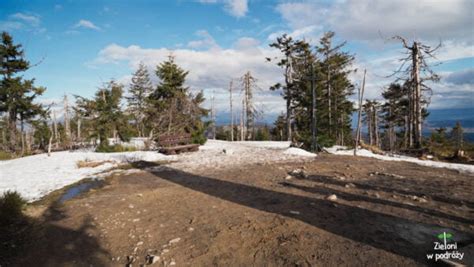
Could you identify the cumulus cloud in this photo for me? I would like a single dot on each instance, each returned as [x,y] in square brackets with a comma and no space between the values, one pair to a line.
[367,19]
[209,70]
[206,41]
[87,24]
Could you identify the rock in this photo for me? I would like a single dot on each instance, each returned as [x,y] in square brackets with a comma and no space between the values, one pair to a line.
[151,259]
[131,206]
[350,185]
[298,173]
[140,195]
[130,259]
[228,151]
[190,229]
[136,220]
[176,240]
[172,263]
[332,197]
[377,195]
[140,243]
[288,177]
[294,212]
[165,251]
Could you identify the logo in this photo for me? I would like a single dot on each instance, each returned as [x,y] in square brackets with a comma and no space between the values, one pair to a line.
[446,249]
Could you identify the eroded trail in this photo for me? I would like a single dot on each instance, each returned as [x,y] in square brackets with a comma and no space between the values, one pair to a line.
[254,213]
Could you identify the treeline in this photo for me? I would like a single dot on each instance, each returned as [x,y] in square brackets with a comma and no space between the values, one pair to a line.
[316,88]
[149,110]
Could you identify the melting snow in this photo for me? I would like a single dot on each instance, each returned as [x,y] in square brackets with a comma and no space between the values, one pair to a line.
[341,150]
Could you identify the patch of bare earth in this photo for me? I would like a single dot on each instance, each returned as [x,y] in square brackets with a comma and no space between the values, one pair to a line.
[384,214]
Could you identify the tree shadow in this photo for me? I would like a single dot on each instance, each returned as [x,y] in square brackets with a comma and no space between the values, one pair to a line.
[386,186]
[354,197]
[43,242]
[390,233]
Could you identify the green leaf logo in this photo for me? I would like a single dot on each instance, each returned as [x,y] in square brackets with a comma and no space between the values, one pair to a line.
[443,235]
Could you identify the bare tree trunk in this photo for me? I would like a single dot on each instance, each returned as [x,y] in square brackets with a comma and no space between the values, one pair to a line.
[49,145]
[329,95]
[242,131]
[361,96]
[376,127]
[231,113]
[12,130]
[417,91]
[79,129]
[67,126]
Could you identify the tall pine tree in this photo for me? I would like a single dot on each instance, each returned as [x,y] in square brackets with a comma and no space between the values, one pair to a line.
[16,94]
[140,90]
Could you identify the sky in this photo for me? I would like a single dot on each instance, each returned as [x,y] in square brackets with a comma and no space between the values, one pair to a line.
[76,46]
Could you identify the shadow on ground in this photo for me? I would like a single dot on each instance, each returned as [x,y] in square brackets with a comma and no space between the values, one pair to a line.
[387,232]
[43,242]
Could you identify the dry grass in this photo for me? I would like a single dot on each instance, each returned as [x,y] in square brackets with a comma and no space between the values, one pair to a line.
[91,164]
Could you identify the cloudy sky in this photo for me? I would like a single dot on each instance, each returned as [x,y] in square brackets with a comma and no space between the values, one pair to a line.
[82,44]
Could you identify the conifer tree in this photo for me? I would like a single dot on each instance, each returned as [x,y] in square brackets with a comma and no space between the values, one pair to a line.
[172,108]
[104,113]
[17,95]
[140,89]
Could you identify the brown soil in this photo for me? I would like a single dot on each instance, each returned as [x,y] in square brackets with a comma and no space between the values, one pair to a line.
[386,214]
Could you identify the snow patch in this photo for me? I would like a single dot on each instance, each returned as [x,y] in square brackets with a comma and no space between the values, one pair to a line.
[299,152]
[38,175]
[341,150]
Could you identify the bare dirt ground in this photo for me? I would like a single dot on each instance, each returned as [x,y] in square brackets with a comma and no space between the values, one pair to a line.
[385,214]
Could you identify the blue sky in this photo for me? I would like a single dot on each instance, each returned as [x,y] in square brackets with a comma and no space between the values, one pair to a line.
[81,44]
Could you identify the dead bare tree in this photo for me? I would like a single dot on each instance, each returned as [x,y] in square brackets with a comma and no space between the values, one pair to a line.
[231,113]
[361,96]
[416,71]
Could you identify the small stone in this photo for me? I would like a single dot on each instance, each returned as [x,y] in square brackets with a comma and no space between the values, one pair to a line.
[140,195]
[332,197]
[377,195]
[350,185]
[176,240]
[165,251]
[288,177]
[294,212]
[140,243]
[152,259]
[190,229]
[131,206]
[135,220]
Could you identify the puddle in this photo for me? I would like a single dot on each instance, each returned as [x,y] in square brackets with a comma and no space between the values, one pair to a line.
[80,189]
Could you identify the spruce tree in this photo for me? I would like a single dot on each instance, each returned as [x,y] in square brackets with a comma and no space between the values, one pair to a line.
[140,89]
[105,114]
[17,95]
[172,108]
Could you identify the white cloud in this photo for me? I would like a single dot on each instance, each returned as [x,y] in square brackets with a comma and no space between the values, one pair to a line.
[33,20]
[236,8]
[86,24]
[209,70]
[22,21]
[366,19]
[206,41]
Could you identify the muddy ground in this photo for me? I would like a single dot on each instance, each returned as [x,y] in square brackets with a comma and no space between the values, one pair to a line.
[385,214]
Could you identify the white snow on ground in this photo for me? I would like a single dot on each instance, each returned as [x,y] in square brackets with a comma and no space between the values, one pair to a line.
[341,150]
[36,176]
[299,152]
